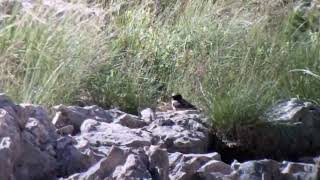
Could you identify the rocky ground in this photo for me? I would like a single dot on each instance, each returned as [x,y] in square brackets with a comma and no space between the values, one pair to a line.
[93,143]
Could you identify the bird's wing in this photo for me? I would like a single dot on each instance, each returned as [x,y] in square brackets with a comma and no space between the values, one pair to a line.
[187,104]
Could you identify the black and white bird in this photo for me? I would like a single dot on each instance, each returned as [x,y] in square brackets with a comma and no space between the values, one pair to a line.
[178,103]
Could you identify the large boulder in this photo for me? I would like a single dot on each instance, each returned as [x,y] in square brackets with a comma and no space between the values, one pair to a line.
[288,130]
[182,131]
[10,144]
[27,142]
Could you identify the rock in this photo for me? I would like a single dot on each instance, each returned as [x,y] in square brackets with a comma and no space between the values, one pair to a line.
[263,169]
[38,130]
[106,134]
[133,168]
[115,113]
[294,111]
[293,117]
[75,116]
[10,144]
[37,112]
[292,168]
[130,121]
[66,130]
[215,166]
[235,165]
[70,159]
[148,115]
[185,166]
[38,122]
[39,137]
[205,157]
[316,170]
[35,163]
[306,159]
[217,175]
[299,171]
[159,163]
[26,151]
[281,133]
[65,141]
[172,146]
[16,111]
[105,167]
[96,138]
[89,125]
[180,131]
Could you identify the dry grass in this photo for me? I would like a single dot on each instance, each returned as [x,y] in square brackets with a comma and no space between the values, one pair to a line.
[231,58]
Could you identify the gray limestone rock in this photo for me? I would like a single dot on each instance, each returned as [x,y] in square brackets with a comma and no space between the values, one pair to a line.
[180,131]
[110,144]
[159,163]
[148,115]
[66,130]
[287,130]
[133,168]
[108,134]
[298,171]
[27,138]
[216,166]
[186,166]
[73,115]
[106,166]
[263,169]
[130,121]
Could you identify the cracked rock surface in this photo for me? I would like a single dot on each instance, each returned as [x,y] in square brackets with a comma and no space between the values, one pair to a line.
[93,143]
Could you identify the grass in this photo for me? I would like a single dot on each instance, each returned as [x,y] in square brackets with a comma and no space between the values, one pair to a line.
[43,56]
[219,55]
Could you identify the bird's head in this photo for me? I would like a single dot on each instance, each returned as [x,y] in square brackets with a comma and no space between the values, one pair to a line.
[175,96]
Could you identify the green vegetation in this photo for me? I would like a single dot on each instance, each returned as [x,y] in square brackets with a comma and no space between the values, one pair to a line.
[231,59]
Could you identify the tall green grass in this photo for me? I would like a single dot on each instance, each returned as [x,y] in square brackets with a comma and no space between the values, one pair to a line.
[44,55]
[232,66]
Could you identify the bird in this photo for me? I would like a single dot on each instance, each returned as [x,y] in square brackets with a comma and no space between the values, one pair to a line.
[178,103]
